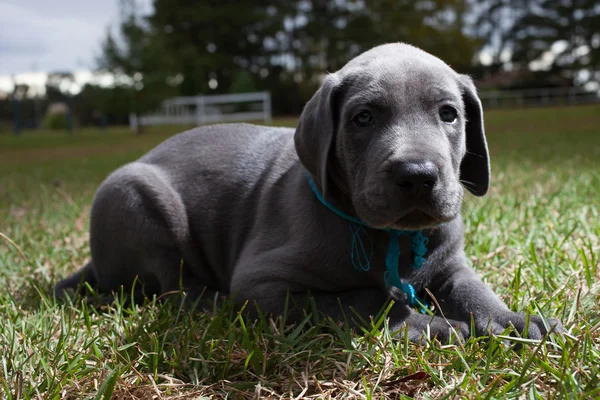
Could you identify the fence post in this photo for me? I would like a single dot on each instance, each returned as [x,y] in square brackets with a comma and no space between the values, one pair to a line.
[133,122]
[16,116]
[267,107]
[200,110]
[571,96]
[545,97]
[520,99]
[494,99]
[69,116]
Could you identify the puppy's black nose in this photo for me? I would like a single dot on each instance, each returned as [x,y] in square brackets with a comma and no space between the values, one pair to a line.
[416,178]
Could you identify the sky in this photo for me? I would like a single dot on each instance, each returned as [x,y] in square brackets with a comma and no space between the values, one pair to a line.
[40,36]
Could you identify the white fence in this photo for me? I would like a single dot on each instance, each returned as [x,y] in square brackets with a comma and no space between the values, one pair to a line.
[538,97]
[198,110]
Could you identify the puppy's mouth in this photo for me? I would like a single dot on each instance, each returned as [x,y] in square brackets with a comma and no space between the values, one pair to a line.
[377,208]
[415,220]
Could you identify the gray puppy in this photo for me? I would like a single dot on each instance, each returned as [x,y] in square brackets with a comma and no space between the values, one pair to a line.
[360,203]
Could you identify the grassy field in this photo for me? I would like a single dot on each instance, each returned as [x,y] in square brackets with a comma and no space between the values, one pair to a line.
[535,239]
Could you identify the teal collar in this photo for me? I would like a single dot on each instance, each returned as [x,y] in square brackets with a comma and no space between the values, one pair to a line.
[362,253]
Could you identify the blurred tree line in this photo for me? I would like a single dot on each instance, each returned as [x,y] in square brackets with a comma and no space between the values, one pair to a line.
[189,47]
[284,46]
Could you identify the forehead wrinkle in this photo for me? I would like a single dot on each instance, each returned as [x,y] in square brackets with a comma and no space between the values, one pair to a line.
[378,97]
[412,85]
[443,93]
[426,89]
[364,89]
[437,95]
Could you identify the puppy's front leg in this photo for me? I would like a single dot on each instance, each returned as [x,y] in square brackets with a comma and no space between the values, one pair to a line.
[355,307]
[462,294]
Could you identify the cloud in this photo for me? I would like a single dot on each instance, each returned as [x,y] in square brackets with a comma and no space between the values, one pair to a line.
[41,36]
[32,41]
[51,36]
[21,47]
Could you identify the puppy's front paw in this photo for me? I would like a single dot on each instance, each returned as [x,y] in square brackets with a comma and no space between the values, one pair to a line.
[423,327]
[447,331]
[534,329]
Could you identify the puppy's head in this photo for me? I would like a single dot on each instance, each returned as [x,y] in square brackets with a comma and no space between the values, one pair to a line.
[398,133]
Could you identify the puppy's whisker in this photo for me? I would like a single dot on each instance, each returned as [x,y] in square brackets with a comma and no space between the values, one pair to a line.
[474,154]
[470,184]
[469,207]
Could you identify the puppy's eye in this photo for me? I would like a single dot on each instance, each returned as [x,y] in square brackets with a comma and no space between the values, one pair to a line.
[448,114]
[363,119]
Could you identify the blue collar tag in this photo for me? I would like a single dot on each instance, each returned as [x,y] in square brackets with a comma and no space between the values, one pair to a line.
[361,254]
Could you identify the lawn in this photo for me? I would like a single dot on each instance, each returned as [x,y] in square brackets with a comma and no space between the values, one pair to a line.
[535,239]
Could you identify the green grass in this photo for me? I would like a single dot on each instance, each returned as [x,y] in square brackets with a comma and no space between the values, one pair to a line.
[535,239]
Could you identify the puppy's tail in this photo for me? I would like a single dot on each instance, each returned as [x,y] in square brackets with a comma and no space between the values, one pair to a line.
[76,281]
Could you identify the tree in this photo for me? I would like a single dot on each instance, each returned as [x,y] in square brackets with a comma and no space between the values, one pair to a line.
[137,61]
[436,26]
[568,31]
[212,41]
[284,46]
[59,85]
[553,36]
[493,24]
[97,105]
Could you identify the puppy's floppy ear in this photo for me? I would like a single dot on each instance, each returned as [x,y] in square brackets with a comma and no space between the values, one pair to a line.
[475,166]
[316,131]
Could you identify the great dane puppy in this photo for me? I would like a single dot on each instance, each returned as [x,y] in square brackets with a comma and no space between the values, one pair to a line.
[359,204]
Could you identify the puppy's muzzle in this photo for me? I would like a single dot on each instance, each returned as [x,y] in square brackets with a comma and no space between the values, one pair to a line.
[415,178]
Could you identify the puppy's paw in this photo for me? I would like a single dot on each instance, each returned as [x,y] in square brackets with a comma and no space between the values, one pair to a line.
[531,327]
[422,328]
[449,331]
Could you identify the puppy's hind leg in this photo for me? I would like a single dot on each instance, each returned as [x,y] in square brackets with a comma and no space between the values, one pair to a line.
[75,282]
[138,229]
[139,234]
